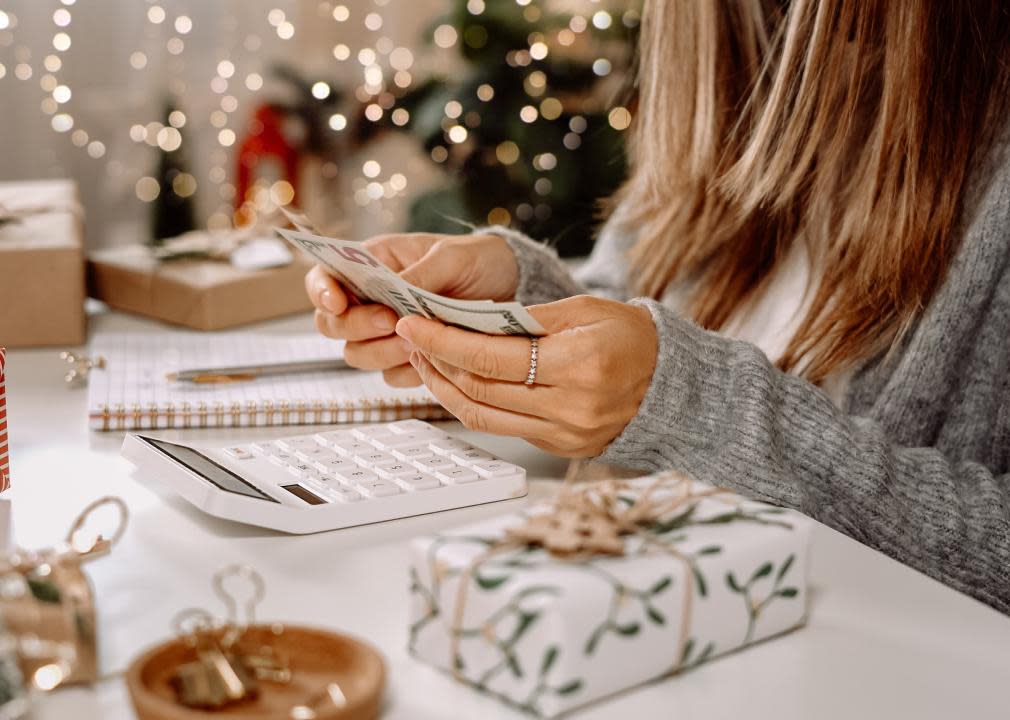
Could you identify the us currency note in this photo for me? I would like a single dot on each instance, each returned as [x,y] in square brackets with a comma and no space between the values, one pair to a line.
[367,278]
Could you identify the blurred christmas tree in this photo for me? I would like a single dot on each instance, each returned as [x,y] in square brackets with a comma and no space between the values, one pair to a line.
[528,129]
[172,212]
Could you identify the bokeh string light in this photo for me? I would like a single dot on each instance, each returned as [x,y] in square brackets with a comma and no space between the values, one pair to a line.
[56,104]
[383,72]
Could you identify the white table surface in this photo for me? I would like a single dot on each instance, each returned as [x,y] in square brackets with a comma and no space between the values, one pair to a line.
[883,641]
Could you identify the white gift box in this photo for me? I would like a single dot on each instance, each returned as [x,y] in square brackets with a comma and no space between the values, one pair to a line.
[548,634]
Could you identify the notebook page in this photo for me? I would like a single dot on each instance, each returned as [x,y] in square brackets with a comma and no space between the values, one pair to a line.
[132,391]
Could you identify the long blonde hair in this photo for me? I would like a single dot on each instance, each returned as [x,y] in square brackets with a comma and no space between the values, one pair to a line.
[850,125]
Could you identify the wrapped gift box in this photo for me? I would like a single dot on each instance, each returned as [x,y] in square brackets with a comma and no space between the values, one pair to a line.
[548,633]
[41,264]
[200,294]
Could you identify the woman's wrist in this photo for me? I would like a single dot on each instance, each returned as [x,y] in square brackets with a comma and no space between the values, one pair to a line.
[664,421]
[500,263]
[541,276]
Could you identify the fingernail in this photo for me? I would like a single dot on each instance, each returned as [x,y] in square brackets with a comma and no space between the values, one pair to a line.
[408,346]
[326,298]
[383,322]
[403,329]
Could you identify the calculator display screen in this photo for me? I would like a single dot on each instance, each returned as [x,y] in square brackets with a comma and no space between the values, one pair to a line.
[208,469]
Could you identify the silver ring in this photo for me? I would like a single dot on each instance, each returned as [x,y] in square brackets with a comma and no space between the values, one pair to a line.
[531,376]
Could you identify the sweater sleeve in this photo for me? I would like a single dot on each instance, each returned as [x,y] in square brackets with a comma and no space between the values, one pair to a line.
[544,277]
[719,411]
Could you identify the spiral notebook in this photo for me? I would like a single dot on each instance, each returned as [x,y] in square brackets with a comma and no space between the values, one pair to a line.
[131,391]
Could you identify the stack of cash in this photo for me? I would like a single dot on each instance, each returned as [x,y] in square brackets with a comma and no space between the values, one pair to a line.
[371,281]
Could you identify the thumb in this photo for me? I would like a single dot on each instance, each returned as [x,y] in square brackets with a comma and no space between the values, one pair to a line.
[434,272]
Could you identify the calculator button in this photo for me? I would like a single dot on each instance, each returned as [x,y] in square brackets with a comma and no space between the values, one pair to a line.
[378,488]
[419,481]
[370,431]
[314,483]
[359,475]
[395,469]
[389,442]
[334,437]
[300,469]
[265,448]
[435,462]
[446,446]
[414,452]
[409,426]
[296,443]
[239,453]
[331,465]
[466,457]
[495,468]
[350,448]
[344,494]
[374,457]
[458,475]
[314,453]
[283,459]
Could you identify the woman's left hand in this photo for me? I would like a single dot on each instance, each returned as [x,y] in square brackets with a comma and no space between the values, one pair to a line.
[593,369]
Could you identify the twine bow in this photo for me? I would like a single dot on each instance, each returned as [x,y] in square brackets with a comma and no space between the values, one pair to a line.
[592,518]
[218,244]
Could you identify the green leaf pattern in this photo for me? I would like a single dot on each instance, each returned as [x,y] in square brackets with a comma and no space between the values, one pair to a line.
[505,628]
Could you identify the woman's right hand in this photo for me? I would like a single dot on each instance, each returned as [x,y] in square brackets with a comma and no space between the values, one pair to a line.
[469,267]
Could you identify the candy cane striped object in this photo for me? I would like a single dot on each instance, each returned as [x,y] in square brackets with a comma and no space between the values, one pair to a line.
[4,462]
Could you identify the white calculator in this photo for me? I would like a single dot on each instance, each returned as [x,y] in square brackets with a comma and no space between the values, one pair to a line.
[332,479]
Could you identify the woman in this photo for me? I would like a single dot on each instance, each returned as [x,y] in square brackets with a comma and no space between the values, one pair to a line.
[819,222]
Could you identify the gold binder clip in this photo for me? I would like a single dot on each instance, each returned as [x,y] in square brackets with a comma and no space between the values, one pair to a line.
[331,695]
[80,366]
[216,678]
[264,662]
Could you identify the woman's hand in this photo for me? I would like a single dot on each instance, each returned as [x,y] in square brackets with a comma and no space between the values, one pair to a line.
[462,266]
[594,367]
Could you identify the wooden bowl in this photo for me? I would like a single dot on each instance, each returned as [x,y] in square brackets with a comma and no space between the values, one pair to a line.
[317,658]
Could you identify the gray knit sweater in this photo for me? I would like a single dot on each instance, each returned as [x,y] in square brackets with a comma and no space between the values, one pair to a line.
[916,462]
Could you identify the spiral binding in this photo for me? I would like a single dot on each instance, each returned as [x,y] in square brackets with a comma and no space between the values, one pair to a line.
[154,416]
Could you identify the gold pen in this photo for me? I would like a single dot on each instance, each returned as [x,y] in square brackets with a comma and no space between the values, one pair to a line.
[240,373]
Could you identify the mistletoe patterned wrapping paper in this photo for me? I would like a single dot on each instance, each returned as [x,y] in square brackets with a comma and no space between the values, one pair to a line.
[548,634]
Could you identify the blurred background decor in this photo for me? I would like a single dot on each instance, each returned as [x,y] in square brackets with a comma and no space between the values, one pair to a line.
[374,115]
[525,126]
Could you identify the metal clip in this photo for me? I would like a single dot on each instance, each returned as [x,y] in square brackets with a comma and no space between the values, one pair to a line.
[80,366]
[265,662]
[254,583]
[331,695]
[216,678]
[89,545]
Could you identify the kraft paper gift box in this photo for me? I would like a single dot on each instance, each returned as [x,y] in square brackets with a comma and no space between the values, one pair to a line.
[200,294]
[548,634]
[41,264]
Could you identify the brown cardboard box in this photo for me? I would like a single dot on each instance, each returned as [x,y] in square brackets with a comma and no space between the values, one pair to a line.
[41,265]
[201,294]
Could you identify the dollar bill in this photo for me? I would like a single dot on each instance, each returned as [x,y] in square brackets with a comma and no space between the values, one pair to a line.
[370,280]
[299,219]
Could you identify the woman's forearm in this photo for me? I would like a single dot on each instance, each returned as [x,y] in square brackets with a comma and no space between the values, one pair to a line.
[719,411]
